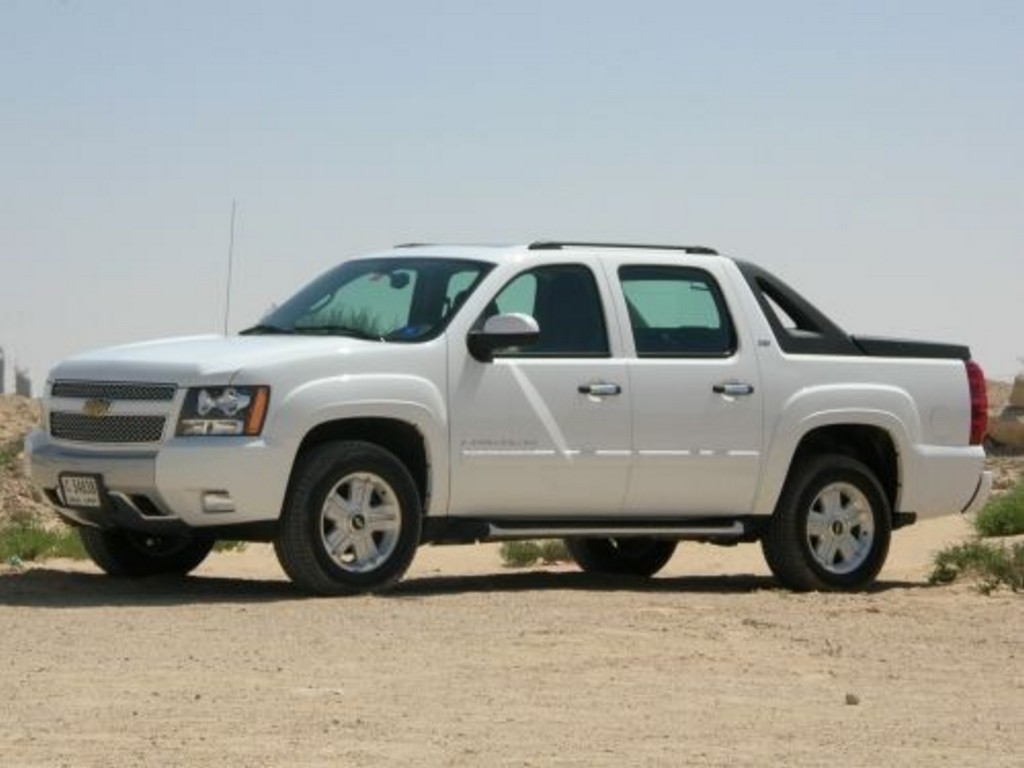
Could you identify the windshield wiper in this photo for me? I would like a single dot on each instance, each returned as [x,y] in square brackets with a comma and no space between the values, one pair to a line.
[339,330]
[263,328]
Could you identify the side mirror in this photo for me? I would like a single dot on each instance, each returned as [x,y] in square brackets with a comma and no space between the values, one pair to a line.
[501,332]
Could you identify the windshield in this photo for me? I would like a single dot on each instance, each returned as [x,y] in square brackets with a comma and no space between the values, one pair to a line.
[384,299]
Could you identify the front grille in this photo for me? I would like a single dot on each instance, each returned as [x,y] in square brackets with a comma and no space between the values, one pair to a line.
[111,390]
[106,429]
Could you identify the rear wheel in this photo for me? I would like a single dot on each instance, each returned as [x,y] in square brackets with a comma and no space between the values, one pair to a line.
[351,522]
[127,553]
[832,527]
[629,556]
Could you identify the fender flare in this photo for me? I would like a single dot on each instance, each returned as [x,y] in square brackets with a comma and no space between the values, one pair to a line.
[409,399]
[892,410]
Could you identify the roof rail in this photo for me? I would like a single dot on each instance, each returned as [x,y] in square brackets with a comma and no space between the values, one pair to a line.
[555,245]
[411,245]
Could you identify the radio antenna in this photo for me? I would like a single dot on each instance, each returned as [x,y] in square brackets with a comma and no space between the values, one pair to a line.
[231,255]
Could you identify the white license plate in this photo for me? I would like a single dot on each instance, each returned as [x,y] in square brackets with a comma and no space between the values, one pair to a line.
[80,491]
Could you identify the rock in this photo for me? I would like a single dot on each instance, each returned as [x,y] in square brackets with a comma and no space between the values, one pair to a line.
[1008,427]
[1017,393]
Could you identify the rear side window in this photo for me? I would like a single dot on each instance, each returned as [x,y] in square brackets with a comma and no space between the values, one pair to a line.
[676,312]
[565,302]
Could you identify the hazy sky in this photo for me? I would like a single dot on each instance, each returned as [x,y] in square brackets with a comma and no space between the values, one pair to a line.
[872,157]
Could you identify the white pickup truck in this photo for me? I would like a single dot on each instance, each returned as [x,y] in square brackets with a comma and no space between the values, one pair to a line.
[621,397]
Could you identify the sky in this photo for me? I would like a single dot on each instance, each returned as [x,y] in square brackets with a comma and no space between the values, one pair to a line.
[872,157]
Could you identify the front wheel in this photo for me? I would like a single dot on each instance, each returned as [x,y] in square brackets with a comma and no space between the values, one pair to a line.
[639,556]
[127,553]
[832,526]
[351,522]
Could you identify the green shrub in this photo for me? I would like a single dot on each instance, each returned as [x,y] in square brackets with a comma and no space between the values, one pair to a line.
[522,554]
[228,545]
[1003,515]
[993,565]
[30,541]
[554,551]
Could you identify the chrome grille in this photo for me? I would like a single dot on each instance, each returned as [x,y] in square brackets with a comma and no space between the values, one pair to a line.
[106,429]
[112,390]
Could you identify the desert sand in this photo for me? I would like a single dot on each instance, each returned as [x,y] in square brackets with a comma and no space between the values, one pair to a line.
[468,663]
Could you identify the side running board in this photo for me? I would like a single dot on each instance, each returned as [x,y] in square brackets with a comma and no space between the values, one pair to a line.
[504,531]
[459,530]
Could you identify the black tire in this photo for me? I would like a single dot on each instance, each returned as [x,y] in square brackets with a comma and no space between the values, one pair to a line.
[302,541]
[790,546]
[134,555]
[624,557]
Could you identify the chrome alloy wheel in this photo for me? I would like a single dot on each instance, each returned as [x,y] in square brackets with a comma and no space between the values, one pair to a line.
[360,522]
[840,528]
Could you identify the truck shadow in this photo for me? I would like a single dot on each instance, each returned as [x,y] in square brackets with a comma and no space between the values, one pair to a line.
[52,588]
[539,581]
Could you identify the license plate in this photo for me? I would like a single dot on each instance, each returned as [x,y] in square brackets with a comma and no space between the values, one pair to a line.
[81,491]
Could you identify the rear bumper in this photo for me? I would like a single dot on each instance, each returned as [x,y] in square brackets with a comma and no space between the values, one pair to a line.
[939,480]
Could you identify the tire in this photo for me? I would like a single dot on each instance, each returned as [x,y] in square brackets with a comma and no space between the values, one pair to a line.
[351,522]
[631,556]
[134,555]
[831,528]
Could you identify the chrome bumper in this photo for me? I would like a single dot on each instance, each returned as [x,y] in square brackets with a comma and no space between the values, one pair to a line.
[124,471]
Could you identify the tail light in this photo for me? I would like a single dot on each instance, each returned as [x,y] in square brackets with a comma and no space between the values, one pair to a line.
[979,402]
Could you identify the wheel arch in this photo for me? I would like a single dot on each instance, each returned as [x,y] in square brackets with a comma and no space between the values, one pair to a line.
[401,437]
[870,445]
[876,439]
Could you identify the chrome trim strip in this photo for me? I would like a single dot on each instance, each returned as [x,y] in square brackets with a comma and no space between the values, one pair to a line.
[491,453]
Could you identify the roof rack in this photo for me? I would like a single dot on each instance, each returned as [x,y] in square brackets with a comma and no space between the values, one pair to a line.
[555,245]
[412,245]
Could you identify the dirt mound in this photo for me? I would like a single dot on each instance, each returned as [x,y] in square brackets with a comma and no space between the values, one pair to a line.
[19,498]
[1005,433]
[998,393]
[17,416]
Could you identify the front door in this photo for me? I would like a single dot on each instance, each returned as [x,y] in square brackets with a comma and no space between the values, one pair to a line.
[543,431]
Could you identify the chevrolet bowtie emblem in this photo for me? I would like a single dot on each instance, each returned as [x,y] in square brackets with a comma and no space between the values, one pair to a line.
[96,407]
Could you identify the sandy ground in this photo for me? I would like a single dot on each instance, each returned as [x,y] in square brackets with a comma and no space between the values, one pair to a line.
[468,663]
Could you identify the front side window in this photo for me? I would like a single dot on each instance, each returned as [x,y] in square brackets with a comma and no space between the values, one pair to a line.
[565,302]
[383,299]
[676,312]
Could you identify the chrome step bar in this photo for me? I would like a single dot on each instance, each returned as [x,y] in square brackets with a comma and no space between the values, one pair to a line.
[497,532]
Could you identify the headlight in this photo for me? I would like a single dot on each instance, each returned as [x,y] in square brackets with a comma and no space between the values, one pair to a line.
[224,411]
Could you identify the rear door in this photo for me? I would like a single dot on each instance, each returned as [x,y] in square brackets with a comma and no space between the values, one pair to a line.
[697,426]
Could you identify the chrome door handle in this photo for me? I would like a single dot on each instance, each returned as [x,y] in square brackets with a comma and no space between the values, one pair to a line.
[599,389]
[733,388]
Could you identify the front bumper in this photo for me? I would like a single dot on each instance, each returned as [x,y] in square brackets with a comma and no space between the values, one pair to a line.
[170,487]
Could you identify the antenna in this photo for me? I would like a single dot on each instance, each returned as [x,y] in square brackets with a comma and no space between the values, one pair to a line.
[231,254]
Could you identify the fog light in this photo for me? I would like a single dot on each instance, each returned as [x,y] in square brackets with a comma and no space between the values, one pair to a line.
[218,501]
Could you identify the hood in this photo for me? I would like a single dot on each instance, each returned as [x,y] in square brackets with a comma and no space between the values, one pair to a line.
[197,360]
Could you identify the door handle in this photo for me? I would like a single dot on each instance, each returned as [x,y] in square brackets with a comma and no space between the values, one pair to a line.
[733,388]
[599,389]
